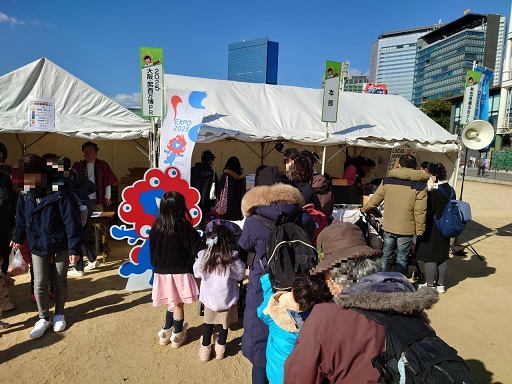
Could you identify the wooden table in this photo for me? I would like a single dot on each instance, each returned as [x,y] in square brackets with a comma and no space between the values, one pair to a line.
[101,224]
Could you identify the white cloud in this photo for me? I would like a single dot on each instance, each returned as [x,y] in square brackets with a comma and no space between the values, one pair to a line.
[10,20]
[128,101]
[356,72]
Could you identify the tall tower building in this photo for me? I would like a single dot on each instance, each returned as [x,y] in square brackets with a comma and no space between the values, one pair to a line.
[392,60]
[446,54]
[253,61]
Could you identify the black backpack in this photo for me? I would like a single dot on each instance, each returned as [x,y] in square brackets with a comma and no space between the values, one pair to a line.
[413,348]
[289,251]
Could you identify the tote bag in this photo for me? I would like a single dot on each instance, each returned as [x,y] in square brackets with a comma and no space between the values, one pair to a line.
[222,205]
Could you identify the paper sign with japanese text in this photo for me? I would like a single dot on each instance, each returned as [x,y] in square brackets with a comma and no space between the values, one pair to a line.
[152,81]
[41,114]
[397,152]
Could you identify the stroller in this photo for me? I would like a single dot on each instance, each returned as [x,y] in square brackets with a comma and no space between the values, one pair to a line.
[236,231]
[373,219]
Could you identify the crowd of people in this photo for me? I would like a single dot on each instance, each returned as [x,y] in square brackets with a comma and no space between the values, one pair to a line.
[290,336]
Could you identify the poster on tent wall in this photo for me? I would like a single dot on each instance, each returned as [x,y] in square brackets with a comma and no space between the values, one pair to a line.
[331,91]
[41,114]
[180,129]
[396,152]
[152,81]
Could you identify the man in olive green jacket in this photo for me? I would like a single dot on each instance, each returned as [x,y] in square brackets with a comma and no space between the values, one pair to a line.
[404,193]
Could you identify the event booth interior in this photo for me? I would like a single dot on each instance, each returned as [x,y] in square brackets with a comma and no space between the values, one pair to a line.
[248,120]
[240,119]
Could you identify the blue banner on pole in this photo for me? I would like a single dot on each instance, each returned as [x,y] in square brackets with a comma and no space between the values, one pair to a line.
[482,110]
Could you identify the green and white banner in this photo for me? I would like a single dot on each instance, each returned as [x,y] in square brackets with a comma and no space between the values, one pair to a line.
[152,81]
[331,91]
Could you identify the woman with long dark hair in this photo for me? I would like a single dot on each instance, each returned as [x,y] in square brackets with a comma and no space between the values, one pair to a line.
[234,177]
[432,247]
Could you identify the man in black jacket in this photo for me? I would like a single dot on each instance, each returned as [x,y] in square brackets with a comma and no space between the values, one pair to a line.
[201,178]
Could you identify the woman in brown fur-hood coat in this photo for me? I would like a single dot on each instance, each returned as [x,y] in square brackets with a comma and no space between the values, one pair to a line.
[268,201]
[337,344]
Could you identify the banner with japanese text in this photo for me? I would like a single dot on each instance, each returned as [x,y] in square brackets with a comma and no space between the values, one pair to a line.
[482,111]
[470,102]
[152,81]
[180,129]
[331,91]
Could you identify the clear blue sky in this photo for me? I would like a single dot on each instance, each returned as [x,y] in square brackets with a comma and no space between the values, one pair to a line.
[98,41]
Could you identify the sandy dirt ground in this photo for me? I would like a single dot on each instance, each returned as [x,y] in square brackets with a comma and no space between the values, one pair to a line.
[111,334]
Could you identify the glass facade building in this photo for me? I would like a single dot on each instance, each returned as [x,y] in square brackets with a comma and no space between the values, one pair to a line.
[445,55]
[392,60]
[253,61]
[355,84]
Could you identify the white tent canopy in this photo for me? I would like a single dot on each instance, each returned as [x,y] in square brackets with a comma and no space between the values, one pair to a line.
[80,110]
[262,112]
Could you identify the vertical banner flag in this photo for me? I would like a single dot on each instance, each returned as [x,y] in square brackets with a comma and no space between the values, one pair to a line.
[152,81]
[331,91]
[470,97]
[476,95]
[180,129]
[482,111]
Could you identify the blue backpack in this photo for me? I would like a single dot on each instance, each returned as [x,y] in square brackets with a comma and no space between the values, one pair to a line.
[454,217]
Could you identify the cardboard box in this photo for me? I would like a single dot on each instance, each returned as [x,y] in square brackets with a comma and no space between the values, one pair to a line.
[342,182]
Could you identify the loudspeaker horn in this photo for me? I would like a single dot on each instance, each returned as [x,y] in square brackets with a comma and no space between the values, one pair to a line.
[478,134]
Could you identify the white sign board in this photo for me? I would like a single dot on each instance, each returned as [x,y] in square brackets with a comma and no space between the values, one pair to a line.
[330,102]
[469,104]
[152,81]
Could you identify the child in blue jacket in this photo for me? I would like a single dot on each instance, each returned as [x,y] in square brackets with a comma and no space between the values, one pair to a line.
[306,292]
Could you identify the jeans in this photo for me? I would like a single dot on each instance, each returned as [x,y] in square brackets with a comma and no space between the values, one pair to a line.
[399,244]
[481,170]
[41,265]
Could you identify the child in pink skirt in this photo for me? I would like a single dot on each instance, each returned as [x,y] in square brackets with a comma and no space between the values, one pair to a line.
[173,245]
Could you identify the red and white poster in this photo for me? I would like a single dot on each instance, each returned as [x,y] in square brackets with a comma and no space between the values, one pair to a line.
[375,88]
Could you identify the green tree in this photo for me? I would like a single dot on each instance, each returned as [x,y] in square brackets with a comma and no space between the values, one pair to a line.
[438,110]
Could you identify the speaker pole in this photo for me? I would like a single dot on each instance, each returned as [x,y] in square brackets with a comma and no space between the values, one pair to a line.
[464,173]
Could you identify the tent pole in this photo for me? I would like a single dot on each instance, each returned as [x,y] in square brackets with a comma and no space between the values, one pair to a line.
[324,152]
[153,159]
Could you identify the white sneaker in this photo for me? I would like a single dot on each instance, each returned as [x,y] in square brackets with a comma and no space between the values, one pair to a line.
[59,323]
[92,265]
[40,328]
[74,272]
[426,285]
[441,289]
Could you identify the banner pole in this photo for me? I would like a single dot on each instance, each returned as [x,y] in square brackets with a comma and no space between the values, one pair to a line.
[325,147]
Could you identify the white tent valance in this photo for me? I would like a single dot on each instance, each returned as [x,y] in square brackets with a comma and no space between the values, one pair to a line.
[262,112]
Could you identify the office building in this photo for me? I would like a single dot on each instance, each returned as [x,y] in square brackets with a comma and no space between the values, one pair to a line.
[355,84]
[392,60]
[253,61]
[446,54]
